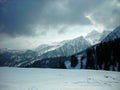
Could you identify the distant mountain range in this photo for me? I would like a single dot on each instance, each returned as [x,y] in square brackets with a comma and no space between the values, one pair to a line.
[63,49]
[69,47]
[16,57]
[22,58]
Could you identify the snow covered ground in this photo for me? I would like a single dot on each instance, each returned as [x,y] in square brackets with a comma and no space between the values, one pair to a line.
[57,79]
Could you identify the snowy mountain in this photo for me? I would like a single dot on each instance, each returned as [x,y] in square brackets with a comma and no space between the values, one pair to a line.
[104,34]
[16,57]
[46,48]
[92,34]
[95,37]
[70,47]
[55,58]
[64,48]
[102,56]
[59,55]
[42,47]
[23,58]
[113,35]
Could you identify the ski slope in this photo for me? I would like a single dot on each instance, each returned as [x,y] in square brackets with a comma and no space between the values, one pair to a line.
[57,79]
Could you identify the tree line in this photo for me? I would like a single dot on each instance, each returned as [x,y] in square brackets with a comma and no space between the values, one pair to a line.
[104,55]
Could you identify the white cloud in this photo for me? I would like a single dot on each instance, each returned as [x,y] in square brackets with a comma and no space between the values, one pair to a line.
[96,26]
[106,14]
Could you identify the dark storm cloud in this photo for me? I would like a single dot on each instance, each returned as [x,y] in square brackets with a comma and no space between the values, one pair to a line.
[107,14]
[16,15]
[34,17]
[68,12]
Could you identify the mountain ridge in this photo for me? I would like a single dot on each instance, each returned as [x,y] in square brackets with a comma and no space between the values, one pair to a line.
[102,56]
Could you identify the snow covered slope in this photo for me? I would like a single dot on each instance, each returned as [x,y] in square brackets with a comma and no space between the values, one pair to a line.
[104,34]
[21,58]
[16,57]
[95,37]
[54,79]
[113,35]
[46,48]
[68,48]
[100,56]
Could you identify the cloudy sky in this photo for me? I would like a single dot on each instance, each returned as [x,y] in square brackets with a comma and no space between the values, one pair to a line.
[25,24]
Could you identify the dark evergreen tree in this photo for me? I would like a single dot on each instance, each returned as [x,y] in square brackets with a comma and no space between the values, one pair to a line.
[108,53]
[98,57]
[74,61]
[61,65]
[82,58]
[90,59]
[81,64]
[117,52]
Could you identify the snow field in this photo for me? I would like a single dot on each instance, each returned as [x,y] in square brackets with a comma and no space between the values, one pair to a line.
[57,79]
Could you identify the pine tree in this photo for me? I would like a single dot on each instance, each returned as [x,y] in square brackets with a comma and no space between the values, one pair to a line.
[74,61]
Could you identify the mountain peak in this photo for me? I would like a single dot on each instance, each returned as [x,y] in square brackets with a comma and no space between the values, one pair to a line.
[113,35]
[93,37]
[80,37]
[92,33]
